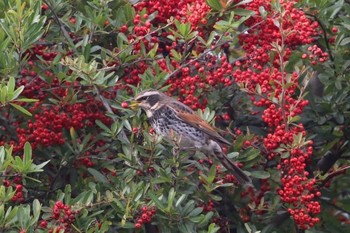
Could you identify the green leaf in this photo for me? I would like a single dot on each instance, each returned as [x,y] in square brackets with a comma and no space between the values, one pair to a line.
[250,154]
[127,125]
[186,227]
[285,155]
[38,168]
[26,100]
[215,4]
[206,219]
[3,95]
[262,12]
[14,94]
[11,213]
[176,55]
[180,200]
[243,2]
[171,198]
[213,228]
[27,158]
[345,41]
[152,53]
[21,109]
[260,174]
[188,207]
[36,211]
[11,85]
[103,126]
[155,199]
[98,175]
[212,174]
[195,212]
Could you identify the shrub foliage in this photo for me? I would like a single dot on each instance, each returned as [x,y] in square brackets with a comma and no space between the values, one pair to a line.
[272,76]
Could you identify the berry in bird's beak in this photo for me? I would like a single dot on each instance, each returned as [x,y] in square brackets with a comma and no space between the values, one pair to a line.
[125,104]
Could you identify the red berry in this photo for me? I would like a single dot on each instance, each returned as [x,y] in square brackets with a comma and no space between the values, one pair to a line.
[73,20]
[43,223]
[19,188]
[44,7]
[125,105]
[124,28]
[144,216]
[334,29]
[6,183]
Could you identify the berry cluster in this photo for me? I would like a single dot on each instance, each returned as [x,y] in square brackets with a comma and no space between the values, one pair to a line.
[18,196]
[46,129]
[299,30]
[141,28]
[49,122]
[165,9]
[315,55]
[41,50]
[63,217]
[193,84]
[137,38]
[145,216]
[263,77]
[195,13]
[297,189]
[183,10]
[280,136]
[132,77]
[207,207]
[222,222]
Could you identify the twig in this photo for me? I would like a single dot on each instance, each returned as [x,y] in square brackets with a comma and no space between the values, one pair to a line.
[57,20]
[334,206]
[331,175]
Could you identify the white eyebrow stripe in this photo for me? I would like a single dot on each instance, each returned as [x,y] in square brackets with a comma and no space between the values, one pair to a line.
[155,106]
[148,93]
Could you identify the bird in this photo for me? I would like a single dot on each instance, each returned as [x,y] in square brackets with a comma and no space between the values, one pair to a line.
[177,122]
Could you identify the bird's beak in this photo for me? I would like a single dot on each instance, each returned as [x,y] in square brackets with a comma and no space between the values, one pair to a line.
[134,104]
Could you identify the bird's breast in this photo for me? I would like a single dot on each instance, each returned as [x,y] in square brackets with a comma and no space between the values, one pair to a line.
[166,123]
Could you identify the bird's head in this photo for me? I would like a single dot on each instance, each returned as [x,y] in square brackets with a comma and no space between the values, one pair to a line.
[149,101]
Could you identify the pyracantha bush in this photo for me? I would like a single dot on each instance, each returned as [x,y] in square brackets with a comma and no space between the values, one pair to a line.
[271,75]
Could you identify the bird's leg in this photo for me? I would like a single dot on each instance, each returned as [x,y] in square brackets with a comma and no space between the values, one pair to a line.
[176,139]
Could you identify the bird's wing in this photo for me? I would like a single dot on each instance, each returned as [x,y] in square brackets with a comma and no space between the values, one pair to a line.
[178,106]
[196,121]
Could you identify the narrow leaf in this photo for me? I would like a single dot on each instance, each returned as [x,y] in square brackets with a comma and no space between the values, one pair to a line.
[21,109]
[98,175]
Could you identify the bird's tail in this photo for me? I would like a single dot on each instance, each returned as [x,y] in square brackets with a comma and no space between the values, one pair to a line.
[241,177]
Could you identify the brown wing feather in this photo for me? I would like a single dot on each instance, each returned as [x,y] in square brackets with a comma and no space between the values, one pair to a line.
[197,122]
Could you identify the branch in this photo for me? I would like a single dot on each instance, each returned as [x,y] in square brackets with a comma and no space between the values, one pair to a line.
[57,20]
[333,174]
[334,206]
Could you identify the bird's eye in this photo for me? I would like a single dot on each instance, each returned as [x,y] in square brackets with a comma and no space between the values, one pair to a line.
[143,98]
